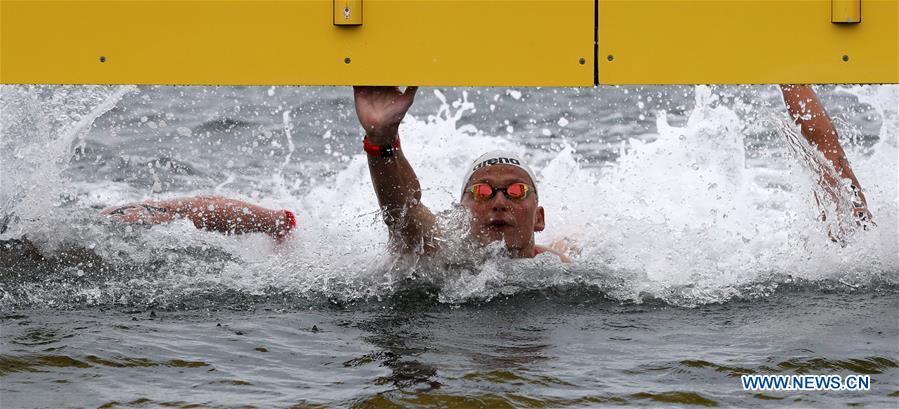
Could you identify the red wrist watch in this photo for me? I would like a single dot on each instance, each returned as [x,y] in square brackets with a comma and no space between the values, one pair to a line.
[381,151]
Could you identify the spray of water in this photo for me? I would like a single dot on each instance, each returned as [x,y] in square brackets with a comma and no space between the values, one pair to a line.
[38,127]
[683,218]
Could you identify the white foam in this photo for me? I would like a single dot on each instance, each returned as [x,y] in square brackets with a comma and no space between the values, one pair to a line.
[684,217]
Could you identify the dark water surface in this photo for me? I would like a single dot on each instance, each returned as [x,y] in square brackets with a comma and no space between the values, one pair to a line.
[539,349]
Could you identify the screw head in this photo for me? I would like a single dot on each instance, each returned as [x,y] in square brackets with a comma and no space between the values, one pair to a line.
[346,60]
[610,57]
[582,61]
[102,58]
[845,58]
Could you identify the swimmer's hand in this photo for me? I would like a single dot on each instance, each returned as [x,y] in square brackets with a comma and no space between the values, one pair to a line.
[565,248]
[380,111]
[860,220]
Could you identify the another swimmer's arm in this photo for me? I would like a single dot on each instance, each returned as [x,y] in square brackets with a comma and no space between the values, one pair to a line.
[380,111]
[808,112]
[211,213]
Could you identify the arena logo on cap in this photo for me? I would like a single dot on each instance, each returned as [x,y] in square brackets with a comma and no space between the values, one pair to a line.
[497,161]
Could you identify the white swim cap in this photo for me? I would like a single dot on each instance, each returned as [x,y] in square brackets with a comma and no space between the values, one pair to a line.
[498,158]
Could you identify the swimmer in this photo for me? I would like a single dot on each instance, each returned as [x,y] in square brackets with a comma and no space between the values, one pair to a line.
[500,190]
[210,213]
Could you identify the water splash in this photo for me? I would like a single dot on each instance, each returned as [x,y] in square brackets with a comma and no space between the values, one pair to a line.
[687,211]
[683,218]
[38,127]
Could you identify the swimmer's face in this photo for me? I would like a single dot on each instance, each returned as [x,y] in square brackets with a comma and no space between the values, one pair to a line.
[500,218]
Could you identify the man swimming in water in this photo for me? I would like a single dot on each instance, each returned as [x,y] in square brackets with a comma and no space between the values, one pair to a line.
[499,191]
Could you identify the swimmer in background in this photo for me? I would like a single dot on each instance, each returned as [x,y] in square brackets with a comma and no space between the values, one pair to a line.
[211,213]
[499,190]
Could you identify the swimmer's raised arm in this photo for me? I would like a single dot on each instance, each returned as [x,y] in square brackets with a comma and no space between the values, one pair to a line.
[209,213]
[817,127]
[380,111]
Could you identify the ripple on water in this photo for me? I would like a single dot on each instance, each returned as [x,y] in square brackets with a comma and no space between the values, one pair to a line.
[493,400]
[685,398]
[762,396]
[513,378]
[40,336]
[865,366]
[35,363]
[396,399]
[144,402]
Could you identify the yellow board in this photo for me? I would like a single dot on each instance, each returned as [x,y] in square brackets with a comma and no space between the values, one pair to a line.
[745,41]
[425,42]
[844,11]
[446,42]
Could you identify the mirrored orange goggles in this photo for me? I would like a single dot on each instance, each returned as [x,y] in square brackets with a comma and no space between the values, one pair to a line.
[481,192]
